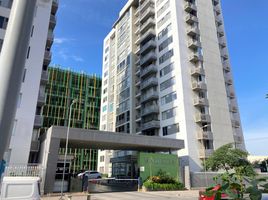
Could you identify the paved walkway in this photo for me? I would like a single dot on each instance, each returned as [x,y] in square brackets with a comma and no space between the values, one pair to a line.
[172,195]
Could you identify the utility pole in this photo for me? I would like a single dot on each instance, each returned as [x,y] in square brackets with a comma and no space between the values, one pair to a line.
[12,63]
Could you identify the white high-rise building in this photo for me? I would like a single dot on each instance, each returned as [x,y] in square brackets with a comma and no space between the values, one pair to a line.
[24,137]
[166,72]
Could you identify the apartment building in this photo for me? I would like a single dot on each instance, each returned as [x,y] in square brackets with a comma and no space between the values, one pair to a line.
[32,95]
[166,73]
[62,88]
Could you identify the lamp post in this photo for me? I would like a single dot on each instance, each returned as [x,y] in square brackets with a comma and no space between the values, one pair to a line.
[66,146]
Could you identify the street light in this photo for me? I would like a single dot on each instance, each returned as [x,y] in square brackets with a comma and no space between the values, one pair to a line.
[66,146]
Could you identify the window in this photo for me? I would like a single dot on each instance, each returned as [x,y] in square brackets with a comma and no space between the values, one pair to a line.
[1,44]
[163,9]
[3,22]
[19,100]
[101,158]
[168,98]
[166,56]
[166,69]
[164,32]
[104,117]
[14,126]
[105,73]
[32,31]
[104,108]
[172,129]
[169,113]
[165,43]
[163,20]
[168,83]
[104,99]
[28,52]
[105,91]
[24,75]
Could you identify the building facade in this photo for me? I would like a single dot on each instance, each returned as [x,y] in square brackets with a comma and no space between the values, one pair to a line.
[32,94]
[62,88]
[166,72]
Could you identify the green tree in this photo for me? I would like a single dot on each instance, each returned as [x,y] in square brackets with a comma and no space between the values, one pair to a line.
[228,158]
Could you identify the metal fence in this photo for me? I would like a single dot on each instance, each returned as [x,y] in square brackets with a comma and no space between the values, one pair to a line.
[33,170]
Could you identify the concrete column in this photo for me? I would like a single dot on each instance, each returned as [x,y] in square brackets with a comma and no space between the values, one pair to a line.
[12,63]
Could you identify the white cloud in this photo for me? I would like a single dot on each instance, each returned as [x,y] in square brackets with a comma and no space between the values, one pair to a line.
[77,58]
[62,40]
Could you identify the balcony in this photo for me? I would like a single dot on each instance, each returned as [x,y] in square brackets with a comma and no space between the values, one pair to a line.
[204,135]
[151,69]
[149,83]
[149,12]
[193,30]
[226,66]
[137,13]
[149,96]
[149,34]
[189,7]
[220,31]
[38,121]
[41,99]
[198,101]
[138,40]
[215,2]
[217,9]
[50,38]
[151,44]
[231,94]
[121,122]
[55,6]
[219,21]
[224,53]
[47,57]
[196,86]
[233,109]
[145,5]
[202,118]
[44,77]
[222,42]
[235,123]
[155,124]
[205,153]
[191,19]
[52,21]
[228,81]
[148,58]
[195,57]
[194,44]
[35,144]
[150,110]
[196,71]
[148,24]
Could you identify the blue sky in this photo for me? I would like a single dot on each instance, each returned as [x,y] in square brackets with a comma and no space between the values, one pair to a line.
[83,24]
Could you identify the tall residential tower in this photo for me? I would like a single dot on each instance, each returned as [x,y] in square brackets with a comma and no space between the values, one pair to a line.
[166,72]
[32,94]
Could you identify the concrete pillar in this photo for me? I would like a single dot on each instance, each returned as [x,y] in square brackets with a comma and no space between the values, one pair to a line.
[12,63]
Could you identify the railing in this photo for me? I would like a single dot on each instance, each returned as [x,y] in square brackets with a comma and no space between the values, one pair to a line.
[148,56]
[150,68]
[35,170]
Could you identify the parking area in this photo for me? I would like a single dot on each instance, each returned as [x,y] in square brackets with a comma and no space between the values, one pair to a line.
[170,195]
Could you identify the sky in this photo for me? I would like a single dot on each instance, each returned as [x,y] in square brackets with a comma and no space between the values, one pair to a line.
[82,26]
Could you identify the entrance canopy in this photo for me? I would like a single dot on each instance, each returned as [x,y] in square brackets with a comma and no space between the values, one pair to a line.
[94,139]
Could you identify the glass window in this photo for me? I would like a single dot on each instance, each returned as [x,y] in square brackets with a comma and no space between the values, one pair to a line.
[166,69]
[168,83]
[169,113]
[172,129]
[164,31]
[165,43]
[168,98]
[166,56]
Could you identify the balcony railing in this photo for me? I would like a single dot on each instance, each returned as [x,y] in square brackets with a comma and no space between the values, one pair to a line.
[194,44]
[35,146]
[191,19]
[204,135]
[38,121]
[148,24]
[235,123]
[188,7]
[200,101]
[147,13]
[196,71]
[151,125]
[149,110]
[149,96]
[151,69]
[195,57]
[150,33]
[193,30]
[199,117]
[151,44]
[151,56]
[149,82]
[199,85]
[44,77]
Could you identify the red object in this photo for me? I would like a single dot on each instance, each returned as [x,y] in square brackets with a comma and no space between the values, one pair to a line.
[202,196]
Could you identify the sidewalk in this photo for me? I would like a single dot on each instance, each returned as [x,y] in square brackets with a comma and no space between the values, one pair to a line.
[169,195]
